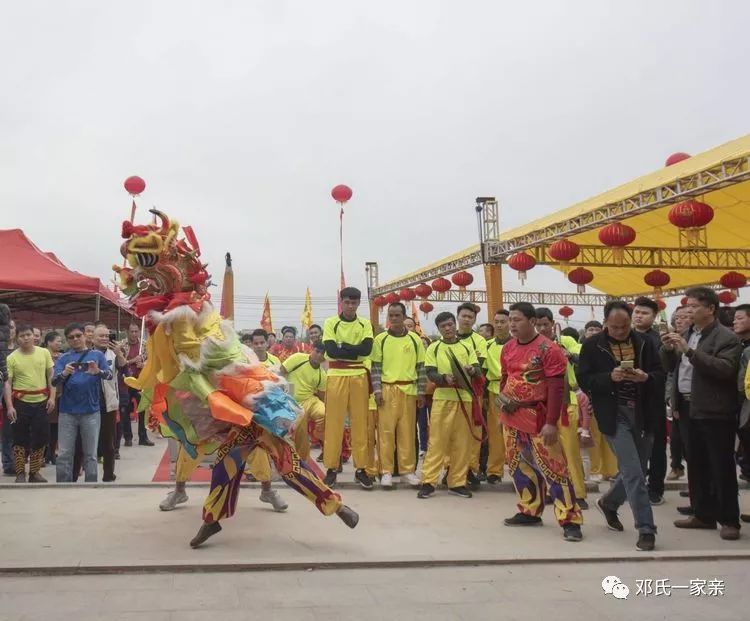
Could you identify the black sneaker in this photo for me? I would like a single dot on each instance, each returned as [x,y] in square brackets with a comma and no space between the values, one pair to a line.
[330,478]
[21,478]
[684,493]
[460,491]
[582,504]
[493,479]
[348,516]
[426,491]
[655,498]
[319,458]
[482,476]
[521,519]
[686,510]
[205,531]
[572,532]
[646,542]
[145,442]
[364,481]
[613,522]
[129,442]
[472,481]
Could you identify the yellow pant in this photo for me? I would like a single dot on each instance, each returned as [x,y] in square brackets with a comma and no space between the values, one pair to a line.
[449,437]
[372,468]
[495,440]
[186,465]
[603,460]
[397,419]
[572,451]
[259,465]
[312,409]
[347,395]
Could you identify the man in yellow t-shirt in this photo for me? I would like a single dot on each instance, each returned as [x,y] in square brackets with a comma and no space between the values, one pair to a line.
[450,421]
[307,379]
[399,381]
[348,342]
[466,317]
[29,398]
[495,440]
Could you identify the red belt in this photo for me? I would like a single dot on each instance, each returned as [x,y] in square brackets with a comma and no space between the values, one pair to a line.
[346,364]
[402,383]
[17,394]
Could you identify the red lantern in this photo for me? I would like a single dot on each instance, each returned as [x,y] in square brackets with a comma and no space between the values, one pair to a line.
[564,251]
[683,301]
[341,193]
[380,301]
[462,280]
[391,298]
[134,185]
[566,312]
[691,216]
[522,262]
[617,235]
[675,158]
[407,294]
[661,304]
[581,277]
[733,281]
[426,308]
[657,279]
[727,297]
[441,285]
[423,290]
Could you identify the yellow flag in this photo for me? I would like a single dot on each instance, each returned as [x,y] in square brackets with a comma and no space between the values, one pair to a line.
[307,318]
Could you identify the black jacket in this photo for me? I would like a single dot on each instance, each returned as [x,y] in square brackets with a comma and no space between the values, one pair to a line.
[715,362]
[595,364]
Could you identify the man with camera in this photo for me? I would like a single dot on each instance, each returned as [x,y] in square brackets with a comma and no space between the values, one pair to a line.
[78,374]
[621,371]
[105,341]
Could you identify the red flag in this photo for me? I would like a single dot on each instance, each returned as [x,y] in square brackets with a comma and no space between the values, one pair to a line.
[265,320]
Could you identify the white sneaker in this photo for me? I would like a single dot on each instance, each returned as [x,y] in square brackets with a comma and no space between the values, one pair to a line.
[386,480]
[173,499]
[273,498]
[412,479]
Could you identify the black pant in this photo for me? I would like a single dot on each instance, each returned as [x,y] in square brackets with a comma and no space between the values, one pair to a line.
[684,410]
[712,471]
[126,407]
[107,436]
[31,429]
[657,466]
[675,446]
[743,452]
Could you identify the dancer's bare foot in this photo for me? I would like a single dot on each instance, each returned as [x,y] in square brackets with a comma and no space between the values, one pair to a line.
[348,516]
[205,531]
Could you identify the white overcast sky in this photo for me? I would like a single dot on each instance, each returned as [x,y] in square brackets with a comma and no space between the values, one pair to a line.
[242,116]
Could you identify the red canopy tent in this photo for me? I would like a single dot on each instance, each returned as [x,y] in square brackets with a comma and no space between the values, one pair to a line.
[40,289]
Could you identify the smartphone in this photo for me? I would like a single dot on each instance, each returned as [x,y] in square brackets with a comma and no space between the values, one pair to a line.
[113,336]
[627,365]
[663,327]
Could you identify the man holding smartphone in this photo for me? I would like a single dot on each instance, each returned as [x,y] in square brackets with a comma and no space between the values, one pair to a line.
[78,373]
[621,371]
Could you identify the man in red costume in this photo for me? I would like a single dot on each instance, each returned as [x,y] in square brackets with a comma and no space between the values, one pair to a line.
[531,400]
[289,344]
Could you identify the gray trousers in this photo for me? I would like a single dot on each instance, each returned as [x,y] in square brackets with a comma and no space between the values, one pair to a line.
[633,450]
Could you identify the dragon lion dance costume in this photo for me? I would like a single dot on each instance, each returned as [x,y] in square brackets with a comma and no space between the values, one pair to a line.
[200,385]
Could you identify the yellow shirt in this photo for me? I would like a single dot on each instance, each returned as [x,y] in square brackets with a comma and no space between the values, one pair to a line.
[492,366]
[272,362]
[29,372]
[352,332]
[570,345]
[437,356]
[305,379]
[477,341]
[399,356]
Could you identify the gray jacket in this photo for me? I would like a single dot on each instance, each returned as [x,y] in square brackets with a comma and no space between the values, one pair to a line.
[715,364]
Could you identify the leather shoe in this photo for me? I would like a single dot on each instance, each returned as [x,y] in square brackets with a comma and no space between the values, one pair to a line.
[685,510]
[729,532]
[694,523]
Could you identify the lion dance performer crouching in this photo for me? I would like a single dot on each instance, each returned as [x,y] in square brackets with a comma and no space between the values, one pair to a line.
[200,385]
